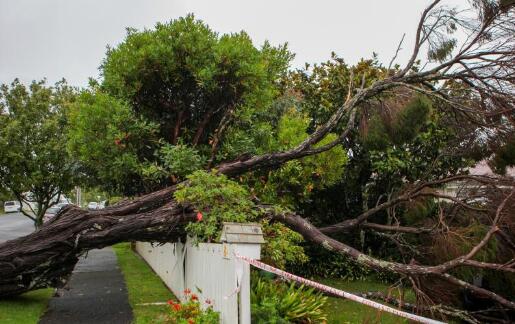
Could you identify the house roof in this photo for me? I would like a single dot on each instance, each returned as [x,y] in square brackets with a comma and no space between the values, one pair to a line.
[483,169]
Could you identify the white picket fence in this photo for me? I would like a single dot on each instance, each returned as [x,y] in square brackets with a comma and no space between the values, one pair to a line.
[209,270]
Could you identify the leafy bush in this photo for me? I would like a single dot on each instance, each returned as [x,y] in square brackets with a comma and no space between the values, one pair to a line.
[181,159]
[282,245]
[191,311]
[218,199]
[295,180]
[276,302]
[326,264]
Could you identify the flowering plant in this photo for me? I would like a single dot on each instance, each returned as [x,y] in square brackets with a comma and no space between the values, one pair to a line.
[191,312]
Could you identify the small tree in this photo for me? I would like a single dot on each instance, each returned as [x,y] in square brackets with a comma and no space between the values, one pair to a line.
[34,165]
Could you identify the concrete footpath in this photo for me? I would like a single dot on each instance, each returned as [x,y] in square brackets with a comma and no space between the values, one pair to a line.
[96,294]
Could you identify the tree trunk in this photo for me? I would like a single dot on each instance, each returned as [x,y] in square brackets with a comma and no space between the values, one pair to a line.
[47,257]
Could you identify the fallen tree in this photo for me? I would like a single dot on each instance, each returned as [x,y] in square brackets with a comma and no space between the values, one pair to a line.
[475,81]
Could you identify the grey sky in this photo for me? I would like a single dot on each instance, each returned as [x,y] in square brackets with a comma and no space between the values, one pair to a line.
[67,38]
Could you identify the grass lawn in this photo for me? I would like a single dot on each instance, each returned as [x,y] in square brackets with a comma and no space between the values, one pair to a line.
[341,310]
[144,286]
[26,308]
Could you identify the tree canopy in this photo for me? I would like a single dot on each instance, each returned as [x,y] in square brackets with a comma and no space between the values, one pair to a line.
[34,164]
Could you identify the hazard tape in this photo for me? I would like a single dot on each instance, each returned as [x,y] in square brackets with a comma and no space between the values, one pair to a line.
[337,292]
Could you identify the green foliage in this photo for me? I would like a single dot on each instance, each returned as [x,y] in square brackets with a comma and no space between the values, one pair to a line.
[403,137]
[324,87]
[411,120]
[405,126]
[505,156]
[219,199]
[295,180]
[110,142]
[282,245]
[185,77]
[421,156]
[181,160]
[33,155]
[277,302]
[442,50]
[327,264]
[169,88]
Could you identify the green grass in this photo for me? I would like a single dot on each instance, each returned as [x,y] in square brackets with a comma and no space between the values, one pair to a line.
[341,310]
[143,285]
[26,308]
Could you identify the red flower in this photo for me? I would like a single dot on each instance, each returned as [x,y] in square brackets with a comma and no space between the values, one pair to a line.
[170,302]
[208,301]
[177,307]
[190,321]
[117,141]
[187,291]
[194,297]
[199,216]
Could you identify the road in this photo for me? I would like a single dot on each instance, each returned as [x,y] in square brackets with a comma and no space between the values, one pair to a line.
[14,225]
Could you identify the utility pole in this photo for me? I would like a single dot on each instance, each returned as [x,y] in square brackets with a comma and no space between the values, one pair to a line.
[78,196]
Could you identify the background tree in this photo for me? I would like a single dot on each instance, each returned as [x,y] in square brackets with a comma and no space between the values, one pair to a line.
[34,164]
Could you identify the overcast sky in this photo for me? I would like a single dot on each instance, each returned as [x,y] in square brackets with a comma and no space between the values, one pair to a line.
[67,38]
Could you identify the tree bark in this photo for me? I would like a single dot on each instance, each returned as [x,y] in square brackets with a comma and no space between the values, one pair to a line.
[47,257]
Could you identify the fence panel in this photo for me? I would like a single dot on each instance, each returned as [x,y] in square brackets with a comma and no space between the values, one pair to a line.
[203,269]
[215,276]
[167,261]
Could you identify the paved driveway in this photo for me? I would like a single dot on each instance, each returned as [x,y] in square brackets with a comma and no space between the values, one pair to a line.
[14,225]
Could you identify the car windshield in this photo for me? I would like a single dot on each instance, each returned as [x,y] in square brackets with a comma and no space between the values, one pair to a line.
[9,203]
[53,210]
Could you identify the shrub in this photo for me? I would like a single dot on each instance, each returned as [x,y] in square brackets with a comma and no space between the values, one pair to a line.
[180,159]
[276,302]
[217,199]
[191,311]
[282,245]
[326,264]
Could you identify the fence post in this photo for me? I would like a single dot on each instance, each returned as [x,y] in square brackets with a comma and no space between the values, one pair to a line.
[246,239]
[243,273]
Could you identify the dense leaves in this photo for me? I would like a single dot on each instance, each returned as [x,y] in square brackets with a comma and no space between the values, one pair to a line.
[186,78]
[279,303]
[110,143]
[217,199]
[34,164]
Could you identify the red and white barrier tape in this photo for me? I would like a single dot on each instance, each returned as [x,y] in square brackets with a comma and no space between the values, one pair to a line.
[337,292]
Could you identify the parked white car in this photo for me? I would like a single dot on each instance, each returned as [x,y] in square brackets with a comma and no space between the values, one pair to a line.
[50,213]
[62,205]
[93,205]
[12,206]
